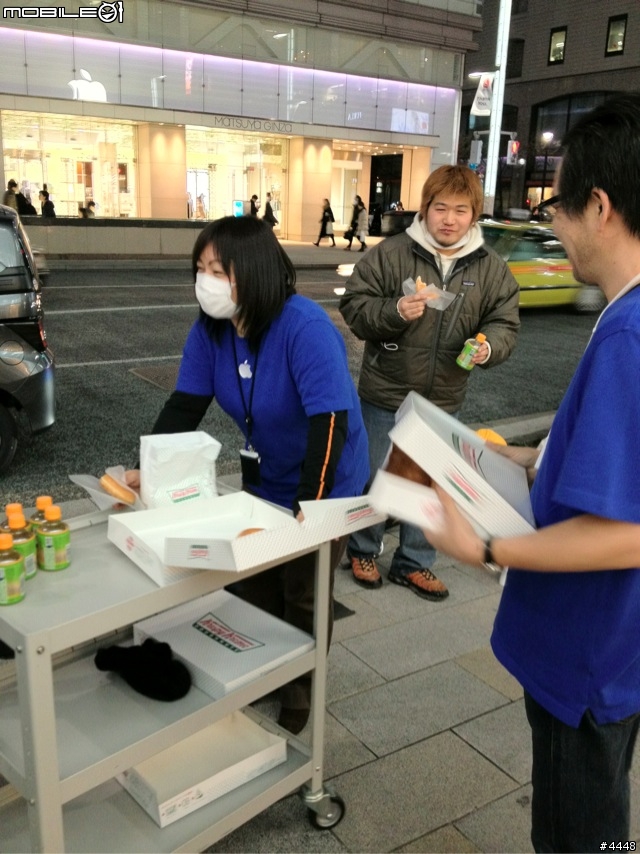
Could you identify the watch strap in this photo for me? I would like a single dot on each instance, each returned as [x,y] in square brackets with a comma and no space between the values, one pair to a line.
[489,561]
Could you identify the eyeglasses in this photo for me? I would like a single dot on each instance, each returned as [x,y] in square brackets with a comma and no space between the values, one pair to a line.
[550,206]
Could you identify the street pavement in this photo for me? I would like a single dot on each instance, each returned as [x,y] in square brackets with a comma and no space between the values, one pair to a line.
[426,736]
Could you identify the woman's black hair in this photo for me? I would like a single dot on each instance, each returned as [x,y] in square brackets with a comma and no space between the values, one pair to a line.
[264,275]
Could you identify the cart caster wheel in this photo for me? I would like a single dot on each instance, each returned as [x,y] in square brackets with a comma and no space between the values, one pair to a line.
[329,819]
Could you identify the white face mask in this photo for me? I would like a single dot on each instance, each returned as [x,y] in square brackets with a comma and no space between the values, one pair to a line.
[214,296]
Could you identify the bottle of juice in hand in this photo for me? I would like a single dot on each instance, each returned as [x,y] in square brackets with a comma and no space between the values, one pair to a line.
[469,350]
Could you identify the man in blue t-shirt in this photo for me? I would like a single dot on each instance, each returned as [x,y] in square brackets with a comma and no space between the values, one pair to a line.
[568,625]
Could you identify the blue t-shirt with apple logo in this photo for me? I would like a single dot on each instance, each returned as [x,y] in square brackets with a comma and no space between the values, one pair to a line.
[301,371]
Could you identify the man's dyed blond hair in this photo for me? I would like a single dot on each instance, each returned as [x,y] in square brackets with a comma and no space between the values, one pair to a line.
[453,181]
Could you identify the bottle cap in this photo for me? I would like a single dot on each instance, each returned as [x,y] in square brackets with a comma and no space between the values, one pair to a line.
[43,501]
[17,520]
[13,508]
[6,542]
[52,513]
[480,337]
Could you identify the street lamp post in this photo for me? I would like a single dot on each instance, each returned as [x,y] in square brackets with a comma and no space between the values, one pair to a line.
[547,138]
[493,148]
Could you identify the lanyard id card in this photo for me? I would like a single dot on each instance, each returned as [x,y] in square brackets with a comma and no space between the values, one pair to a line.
[250,466]
[249,459]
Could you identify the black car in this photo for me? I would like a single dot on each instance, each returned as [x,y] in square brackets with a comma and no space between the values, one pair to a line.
[26,362]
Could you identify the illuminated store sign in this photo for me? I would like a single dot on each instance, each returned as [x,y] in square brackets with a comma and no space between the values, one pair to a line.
[86,89]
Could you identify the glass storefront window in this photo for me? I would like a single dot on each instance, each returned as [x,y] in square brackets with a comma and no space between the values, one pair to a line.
[78,159]
[224,166]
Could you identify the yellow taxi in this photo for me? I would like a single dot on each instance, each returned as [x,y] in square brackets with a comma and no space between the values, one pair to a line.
[539,263]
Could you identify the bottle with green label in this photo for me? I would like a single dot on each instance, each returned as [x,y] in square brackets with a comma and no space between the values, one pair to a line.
[10,509]
[469,350]
[24,542]
[53,541]
[37,518]
[11,572]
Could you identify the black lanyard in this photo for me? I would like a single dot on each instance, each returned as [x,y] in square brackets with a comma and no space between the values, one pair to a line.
[248,417]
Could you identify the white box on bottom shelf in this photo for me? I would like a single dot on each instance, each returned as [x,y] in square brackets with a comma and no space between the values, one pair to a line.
[196,771]
[224,641]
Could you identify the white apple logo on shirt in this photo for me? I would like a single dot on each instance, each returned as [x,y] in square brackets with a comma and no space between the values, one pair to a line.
[245,370]
[86,89]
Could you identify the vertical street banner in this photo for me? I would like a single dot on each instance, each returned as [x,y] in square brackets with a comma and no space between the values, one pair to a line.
[484,96]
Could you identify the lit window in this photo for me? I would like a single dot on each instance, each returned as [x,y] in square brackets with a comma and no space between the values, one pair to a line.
[615,35]
[557,44]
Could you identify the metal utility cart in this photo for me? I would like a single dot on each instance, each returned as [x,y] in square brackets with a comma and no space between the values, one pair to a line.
[66,729]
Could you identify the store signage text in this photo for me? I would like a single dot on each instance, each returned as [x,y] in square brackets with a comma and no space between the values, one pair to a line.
[108,13]
[252,124]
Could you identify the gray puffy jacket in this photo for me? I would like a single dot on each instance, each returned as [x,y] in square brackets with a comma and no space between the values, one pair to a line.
[401,356]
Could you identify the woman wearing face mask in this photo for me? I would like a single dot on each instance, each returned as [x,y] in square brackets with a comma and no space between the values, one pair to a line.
[277,365]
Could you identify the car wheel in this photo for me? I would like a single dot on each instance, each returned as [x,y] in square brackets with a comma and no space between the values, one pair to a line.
[590,299]
[8,438]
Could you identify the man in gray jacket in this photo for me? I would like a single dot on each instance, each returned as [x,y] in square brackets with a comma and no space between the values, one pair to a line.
[410,346]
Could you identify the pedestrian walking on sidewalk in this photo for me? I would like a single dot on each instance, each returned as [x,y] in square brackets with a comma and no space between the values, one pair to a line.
[350,233]
[269,215]
[567,623]
[362,226]
[327,220]
[411,347]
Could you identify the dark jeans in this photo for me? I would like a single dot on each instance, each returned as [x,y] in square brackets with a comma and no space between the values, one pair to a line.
[580,781]
[287,592]
[414,551]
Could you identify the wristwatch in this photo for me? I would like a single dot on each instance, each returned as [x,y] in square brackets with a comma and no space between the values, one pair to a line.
[489,561]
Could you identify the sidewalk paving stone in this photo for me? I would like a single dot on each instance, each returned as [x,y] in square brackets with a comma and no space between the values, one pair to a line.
[407,710]
[403,796]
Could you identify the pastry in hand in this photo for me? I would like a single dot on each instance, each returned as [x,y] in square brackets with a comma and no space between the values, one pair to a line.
[402,465]
[117,490]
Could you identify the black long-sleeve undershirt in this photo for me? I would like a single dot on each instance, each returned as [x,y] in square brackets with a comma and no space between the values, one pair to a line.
[326,438]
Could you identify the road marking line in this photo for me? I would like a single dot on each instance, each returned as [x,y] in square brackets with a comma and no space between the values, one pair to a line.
[49,313]
[117,361]
[113,287]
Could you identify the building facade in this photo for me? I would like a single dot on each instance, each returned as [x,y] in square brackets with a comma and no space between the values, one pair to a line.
[565,57]
[162,109]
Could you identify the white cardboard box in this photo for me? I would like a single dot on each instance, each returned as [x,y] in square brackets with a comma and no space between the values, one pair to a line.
[208,764]
[170,542]
[224,641]
[404,499]
[489,488]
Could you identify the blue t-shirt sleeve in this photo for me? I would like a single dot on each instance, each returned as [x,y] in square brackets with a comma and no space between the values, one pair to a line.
[600,472]
[196,374]
[318,362]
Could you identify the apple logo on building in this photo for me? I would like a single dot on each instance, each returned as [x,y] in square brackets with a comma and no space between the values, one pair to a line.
[86,89]
[245,370]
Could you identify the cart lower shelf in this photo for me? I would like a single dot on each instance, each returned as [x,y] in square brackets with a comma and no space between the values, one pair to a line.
[107,819]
